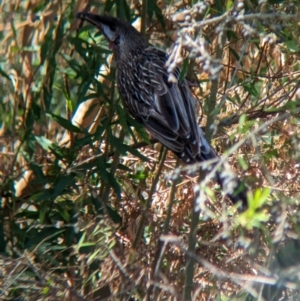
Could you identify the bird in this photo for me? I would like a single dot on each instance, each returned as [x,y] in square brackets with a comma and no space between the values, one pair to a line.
[166,108]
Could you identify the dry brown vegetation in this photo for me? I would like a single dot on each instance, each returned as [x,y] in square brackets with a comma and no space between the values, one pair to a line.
[93,209]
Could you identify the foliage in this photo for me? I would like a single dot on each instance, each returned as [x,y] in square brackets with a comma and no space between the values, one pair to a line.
[87,211]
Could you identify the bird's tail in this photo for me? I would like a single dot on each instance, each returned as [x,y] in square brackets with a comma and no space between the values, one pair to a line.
[230,184]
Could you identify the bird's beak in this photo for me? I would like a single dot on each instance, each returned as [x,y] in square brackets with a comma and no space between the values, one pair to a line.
[100,22]
[93,19]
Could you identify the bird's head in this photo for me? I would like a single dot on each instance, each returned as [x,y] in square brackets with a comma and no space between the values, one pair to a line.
[122,36]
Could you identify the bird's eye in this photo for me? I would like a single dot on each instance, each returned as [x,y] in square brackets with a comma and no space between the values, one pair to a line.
[117,40]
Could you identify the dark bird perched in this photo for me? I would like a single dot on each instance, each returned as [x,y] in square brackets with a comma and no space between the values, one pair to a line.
[166,109]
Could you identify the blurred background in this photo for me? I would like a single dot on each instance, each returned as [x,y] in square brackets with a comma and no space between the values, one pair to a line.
[92,208]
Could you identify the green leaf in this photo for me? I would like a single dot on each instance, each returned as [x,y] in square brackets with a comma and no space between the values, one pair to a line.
[236,56]
[259,198]
[2,234]
[114,184]
[81,240]
[137,153]
[93,255]
[114,215]
[108,5]
[46,194]
[124,167]
[101,167]
[46,46]
[251,89]
[139,128]
[139,175]
[37,170]
[4,74]
[123,148]
[64,123]
[44,142]
[229,4]
[61,184]
[184,69]
[41,237]
[122,118]
[242,121]
[43,210]
[45,290]
[219,7]
[59,36]
[123,10]
[243,163]
[64,213]
[152,6]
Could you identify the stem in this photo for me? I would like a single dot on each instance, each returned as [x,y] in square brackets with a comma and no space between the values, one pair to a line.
[144,16]
[212,112]
[148,202]
[190,262]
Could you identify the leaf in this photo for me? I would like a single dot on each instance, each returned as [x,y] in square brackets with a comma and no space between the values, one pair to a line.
[92,256]
[108,5]
[43,235]
[42,196]
[114,184]
[46,46]
[136,153]
[243,163]
[43,210]
[138,176]
[124,167]
[122,118]
[123,149]
[37,170]
[61,184]
[101,166]
[139,128]
[123,10]
[114,215]
[260,197]
[81,240]
[127,10]
[219,7]
[59,37]
[236,56]
[276,1]
[250,87]
[4,74]
[44,142]
[242,121]
[184,69]
[152,7]
[229,4]
[2,234]
[64,213]
[64,123]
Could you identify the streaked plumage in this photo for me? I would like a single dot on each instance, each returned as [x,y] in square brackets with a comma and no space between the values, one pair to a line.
[166,109]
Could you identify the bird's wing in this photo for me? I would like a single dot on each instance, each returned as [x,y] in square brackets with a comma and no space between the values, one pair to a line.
[167,109]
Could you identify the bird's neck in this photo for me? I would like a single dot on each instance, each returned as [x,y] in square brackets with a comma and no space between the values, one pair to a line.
[125,56]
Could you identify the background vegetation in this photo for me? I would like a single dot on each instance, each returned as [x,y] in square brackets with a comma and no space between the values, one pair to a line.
[93,209]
